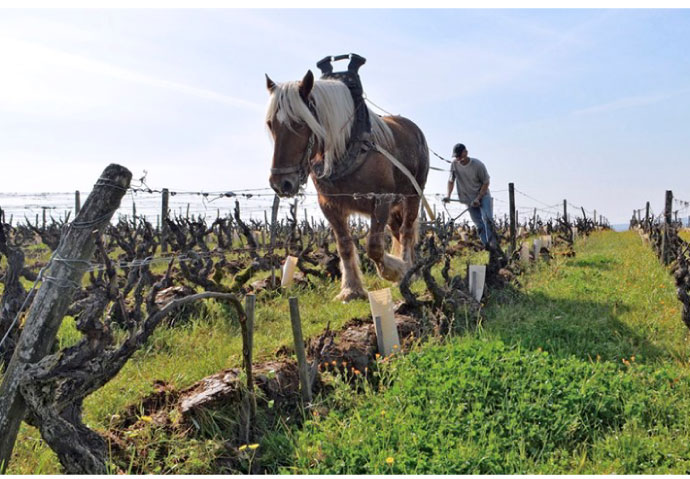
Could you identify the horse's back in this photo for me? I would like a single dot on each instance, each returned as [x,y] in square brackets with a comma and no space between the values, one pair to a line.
[410,146]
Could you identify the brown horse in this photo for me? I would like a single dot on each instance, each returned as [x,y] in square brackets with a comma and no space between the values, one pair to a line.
[310,122]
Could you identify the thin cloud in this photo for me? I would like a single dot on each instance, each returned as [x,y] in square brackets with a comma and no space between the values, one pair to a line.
[54,57]
[628,102]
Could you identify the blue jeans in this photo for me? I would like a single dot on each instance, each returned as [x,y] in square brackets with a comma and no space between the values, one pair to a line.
[483,218]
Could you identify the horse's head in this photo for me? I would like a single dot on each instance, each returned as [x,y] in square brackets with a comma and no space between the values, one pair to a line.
[294,139]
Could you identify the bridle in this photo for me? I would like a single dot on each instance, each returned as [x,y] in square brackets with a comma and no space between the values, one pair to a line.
[303,166]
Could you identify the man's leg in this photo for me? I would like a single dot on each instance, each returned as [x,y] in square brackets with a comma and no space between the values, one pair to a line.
[487,216]
[478,220]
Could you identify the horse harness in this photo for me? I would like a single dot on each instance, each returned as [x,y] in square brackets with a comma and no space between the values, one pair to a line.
[360,141]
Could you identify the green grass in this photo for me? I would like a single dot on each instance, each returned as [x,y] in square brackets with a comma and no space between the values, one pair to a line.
[541,387]
[478,406]
[584,370]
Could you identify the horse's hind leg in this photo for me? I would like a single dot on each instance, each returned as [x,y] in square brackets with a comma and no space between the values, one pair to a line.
[351,286]
[409,229]
[389,267]
[395,222]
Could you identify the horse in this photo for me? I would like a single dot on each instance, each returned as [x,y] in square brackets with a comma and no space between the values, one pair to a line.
[310,123]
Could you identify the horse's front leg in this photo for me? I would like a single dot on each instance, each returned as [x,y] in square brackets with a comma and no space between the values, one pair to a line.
[351,285]
[389,267]
[410,229]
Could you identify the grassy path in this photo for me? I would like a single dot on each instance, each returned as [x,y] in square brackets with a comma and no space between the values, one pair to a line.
[584,370]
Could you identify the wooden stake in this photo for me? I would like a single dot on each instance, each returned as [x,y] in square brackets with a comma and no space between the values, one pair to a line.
[248,350]
[299,350]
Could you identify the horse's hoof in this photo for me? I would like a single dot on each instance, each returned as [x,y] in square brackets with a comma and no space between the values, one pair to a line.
[347,295]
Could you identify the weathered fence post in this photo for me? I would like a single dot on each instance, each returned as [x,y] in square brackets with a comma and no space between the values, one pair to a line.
[62,278]
[248,348]
[274,219]
[299,350]
[511,198]
[665,250]
[646,216]
[77,202]
[565,211]
[164,223]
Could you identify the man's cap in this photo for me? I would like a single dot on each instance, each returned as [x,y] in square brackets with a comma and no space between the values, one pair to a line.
[458,149]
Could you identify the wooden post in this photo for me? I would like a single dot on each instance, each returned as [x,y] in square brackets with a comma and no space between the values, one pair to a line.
[565,211]
[248,349]
[274,219]
[299,350]
[511,201]
[187,215]
[665,250]
[60,281]
[77,203]
[534,219]
[646,216]
[164,218]
[134,211]
[44,217]
[595,217]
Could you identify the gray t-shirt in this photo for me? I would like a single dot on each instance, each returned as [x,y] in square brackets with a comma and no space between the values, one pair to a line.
[468,179]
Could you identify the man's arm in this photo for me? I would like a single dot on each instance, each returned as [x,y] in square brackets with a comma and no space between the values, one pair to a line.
[480,195]
[450,189]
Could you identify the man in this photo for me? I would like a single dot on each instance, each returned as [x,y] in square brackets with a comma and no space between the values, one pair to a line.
[472,180]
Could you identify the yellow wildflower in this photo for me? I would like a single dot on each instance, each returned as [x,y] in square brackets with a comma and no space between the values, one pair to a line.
[253,446]
[390,460]
[146,418]
[243,447]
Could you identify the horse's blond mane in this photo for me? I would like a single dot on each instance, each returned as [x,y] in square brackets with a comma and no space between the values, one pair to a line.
[335,112]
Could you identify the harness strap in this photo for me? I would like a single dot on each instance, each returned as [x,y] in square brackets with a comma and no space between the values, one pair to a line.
[412,179]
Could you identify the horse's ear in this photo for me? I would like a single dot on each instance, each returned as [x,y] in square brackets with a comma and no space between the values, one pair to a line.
[306,85]
[270,85]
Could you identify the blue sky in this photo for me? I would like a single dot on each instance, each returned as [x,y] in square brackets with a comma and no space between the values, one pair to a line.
[588,105]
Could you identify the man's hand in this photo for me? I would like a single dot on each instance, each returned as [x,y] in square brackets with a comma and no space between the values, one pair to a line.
[476,203]
[446,199]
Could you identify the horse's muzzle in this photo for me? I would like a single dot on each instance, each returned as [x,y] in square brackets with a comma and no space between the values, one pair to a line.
[285,185]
